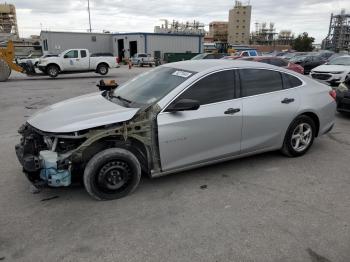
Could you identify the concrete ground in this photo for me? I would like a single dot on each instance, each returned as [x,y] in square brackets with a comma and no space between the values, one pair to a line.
[262,208]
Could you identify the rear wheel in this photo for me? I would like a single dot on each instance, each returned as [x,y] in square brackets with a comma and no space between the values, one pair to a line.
[111,174]
[300,137]
[102,69]
[52,71]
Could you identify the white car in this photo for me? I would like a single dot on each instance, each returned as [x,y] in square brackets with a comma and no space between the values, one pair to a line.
[77,61]
[334,72]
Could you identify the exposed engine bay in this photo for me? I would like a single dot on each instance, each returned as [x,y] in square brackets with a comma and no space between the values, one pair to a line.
[57,159]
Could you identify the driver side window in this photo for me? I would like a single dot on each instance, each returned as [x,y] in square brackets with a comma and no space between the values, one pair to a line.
[71,54]
[213,88]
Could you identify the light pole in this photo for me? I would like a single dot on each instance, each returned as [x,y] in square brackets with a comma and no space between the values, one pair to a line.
[89,15]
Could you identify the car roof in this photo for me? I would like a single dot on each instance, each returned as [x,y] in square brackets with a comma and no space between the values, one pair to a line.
[215,64]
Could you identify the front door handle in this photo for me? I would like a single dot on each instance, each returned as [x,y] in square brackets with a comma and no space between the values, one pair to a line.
[232,111]
[287,100]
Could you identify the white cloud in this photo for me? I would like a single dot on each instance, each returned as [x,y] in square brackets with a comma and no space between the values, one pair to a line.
[310,16]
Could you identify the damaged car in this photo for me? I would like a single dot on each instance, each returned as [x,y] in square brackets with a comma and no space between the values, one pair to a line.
[176,117]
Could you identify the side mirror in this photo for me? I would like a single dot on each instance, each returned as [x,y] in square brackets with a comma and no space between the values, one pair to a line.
[65,56]
[183,105]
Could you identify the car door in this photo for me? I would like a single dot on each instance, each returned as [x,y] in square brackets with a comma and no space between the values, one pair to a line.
[269,106]
[84,62]
[211,132]
[71,60]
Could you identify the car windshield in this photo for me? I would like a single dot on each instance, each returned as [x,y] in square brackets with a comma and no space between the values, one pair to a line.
[199,57]
[340,61]
[151,86]
[298,58]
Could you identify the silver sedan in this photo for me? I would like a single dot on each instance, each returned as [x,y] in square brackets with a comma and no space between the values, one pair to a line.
[176,117]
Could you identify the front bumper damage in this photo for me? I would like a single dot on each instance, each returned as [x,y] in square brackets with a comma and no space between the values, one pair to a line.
[58,159]
[41,164]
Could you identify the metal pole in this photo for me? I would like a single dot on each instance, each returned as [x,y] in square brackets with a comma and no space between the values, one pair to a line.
[89,15]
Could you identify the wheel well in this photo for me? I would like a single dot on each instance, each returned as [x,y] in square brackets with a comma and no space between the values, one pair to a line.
[53,64]
[316,120]
[133,145]
[102,63]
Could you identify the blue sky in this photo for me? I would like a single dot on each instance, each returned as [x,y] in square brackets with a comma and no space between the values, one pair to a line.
[299,16]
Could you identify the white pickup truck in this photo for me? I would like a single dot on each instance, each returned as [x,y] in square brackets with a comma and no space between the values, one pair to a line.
[142,59]
[76,61]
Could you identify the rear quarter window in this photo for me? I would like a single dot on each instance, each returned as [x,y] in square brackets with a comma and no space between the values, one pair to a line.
[290,81]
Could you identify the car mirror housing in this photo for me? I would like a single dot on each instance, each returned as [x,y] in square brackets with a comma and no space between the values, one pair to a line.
[183,105]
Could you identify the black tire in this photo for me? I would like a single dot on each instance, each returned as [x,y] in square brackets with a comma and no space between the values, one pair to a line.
[290,144]
[111,174]
[102,69]
[52,71]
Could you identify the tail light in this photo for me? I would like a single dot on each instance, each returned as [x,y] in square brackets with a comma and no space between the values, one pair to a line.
[117,60]
[333,94]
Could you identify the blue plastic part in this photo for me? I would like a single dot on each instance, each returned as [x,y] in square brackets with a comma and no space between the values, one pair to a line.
[49,171]
[56,178]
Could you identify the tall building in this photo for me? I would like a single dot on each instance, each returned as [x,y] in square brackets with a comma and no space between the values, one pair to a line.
[338,37]
[218,30]
[8,21]
[239,24]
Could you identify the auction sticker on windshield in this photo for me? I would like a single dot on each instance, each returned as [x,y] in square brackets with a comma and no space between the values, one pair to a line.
[182,74]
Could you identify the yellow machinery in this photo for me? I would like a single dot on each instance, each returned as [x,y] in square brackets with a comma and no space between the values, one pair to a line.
[7,57]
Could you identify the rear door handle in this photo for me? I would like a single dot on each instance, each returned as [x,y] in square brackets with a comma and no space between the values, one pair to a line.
[232,111]
[287,100]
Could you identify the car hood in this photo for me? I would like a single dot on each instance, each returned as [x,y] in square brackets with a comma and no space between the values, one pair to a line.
[80,113]
[331,68]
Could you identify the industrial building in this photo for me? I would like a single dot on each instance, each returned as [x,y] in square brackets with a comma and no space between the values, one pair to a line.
[8,22]
[176,27]
[218,31]
[122,44]
[239,24]
[338,38]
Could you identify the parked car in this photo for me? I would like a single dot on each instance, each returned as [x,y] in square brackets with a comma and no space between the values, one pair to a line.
[34,61]
[290,55]
[333,72]
[176,117]
[243,53]
[141,59]
[343,96]
[276,61]
[76,61]
[308,62]
[209,56]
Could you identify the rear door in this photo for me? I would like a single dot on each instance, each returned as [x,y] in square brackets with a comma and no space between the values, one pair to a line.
[84,63]
[269,105]
[211,132]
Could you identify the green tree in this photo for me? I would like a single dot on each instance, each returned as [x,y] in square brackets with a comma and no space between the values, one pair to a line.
[303,43]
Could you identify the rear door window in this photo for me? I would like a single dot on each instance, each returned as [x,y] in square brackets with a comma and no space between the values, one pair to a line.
[214,88]
[259,81]
[83,53]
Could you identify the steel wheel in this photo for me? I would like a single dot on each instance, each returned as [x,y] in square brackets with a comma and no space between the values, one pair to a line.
[302,136]
[113,176]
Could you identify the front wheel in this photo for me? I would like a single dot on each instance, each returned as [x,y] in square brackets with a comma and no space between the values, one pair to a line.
[102,69]
[300,137]
[111,174]
[52,71]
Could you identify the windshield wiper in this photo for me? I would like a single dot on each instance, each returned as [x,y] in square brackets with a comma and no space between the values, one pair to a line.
[123,99]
